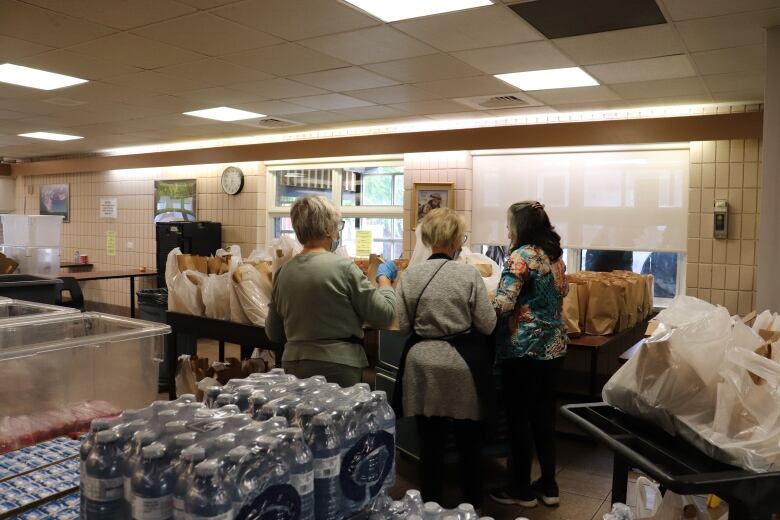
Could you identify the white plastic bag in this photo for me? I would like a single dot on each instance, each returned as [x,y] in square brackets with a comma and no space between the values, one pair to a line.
[673,505]
[684,309]
[253,292]
[421,252]
[216,296]
[491,282]
[285,248]
[237,313]
[185,294]
[171,267]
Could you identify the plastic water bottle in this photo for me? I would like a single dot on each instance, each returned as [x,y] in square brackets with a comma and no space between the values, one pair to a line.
[210,396]
[299,456]
[467,512]
[413,501]
[236,422]
[242,398]
[353,493]
[180,442]
[170,431]
[432,511]
[152,484]
[264,483]
[128,435]
[104,479]
[386,417]
[229,473]
[225,399]
[141,439]
[256,402]
[325,445]
[98,425]
[208,498]
[185,473]
[221,446]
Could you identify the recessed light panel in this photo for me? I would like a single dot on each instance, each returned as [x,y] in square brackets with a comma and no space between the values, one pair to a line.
[547,79]
[394,10]
[224,114]
[34,78]
[51,136]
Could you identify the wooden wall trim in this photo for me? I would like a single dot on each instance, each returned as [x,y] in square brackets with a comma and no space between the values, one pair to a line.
[623,131]
[5,169]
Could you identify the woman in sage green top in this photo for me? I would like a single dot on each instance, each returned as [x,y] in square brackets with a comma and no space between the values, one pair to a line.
[321,301]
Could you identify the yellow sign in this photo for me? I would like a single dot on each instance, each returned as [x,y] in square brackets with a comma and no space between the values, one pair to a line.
[111,243]
[363,240]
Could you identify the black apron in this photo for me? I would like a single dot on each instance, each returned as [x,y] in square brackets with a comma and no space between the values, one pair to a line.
[475,349]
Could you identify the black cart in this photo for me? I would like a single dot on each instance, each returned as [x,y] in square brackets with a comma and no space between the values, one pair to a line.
[674,463]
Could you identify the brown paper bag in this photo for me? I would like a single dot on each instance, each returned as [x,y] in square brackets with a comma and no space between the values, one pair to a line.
[201,264]
[647,304]
[261,361]
[7,265]
[582,302]
[571,312]
[224,372]
[620,288]
[374,261]
[190,370]
[214,264]
[603,312]
[185,263]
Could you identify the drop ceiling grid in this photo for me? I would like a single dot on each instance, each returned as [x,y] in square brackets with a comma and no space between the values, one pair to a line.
[167,82]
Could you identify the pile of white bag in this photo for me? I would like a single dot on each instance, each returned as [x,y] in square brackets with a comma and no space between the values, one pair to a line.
[710,378]
[241,295]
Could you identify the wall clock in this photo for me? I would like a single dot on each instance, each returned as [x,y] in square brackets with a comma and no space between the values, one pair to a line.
[232,180]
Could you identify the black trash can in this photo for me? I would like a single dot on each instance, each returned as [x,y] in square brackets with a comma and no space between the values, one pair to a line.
[152,304]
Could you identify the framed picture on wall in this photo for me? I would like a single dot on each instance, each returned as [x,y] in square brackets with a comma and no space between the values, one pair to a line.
[54,199]
[429,196]
[174,201]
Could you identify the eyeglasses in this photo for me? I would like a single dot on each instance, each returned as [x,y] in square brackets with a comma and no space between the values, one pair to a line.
[465,238]
[341,225]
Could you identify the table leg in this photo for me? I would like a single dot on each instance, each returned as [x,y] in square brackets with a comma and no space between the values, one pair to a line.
[619,479]
[222,351]
[594,374]
[172,360]
[132,296]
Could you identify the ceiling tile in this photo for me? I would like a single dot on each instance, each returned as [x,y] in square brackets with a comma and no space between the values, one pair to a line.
[660,88]
[153,81]
[136,51]
[466,87]
[670,101]
[516,58]
[470,29]
[685,9]
[13,48]
[320,117]
[560,96]
[296,19]
[370,45]
[329,102]
[665,67]
[455,116]
[735,82]
[73,64]
[45,27]
[203,32]
[278,88]
[214,72]
[727,31]
[588,106]
[218,96]
[120,15]
[275,107]
[735,59]
[286,59]
[374,112]
[755,95]
[394,94]
[339,80]
[628,44]
[439,106]
[424,68]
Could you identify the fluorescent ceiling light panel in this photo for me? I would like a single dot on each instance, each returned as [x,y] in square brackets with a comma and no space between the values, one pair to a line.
[34,78]
[394,10]
[224,114]
[51,136]
[547,79]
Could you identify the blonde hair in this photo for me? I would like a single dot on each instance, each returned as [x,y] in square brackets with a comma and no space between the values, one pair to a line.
[314,218]
[442,228]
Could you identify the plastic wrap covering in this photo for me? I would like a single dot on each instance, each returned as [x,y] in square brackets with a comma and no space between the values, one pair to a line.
[216,296]
[285,248]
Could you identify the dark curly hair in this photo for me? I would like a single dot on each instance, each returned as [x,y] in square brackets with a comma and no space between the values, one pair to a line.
[530,225]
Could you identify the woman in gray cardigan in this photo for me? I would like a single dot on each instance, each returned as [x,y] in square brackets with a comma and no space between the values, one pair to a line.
[445,306]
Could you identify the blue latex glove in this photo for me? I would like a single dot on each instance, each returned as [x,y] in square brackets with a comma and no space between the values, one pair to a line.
[388,270]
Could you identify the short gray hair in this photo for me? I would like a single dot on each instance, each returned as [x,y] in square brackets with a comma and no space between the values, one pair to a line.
[442,227]
[314,218]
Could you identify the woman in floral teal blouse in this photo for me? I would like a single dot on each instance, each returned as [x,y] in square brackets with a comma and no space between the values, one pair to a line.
[530,346]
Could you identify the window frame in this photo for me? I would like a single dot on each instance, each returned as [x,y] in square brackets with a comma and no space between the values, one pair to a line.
[337,165]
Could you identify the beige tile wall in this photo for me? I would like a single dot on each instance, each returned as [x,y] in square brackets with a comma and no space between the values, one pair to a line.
[242,216]
[723,271]
[450,167]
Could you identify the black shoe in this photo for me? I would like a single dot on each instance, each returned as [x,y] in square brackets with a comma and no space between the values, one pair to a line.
[506,497]
[547,492]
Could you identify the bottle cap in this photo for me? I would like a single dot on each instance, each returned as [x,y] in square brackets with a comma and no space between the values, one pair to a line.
[131,415]
[239,421]
[431,507]
[214,390]
[207,468]
[183,440]
[106,436]
[414,493]
[379,395]
[226,440]
[277,421]
[166,414]
[230,409]
[154,451]
[175,427]
[98,425]
[137,423]
[245,391]
[186,398]
[236,454]
[465,507]
[322,419]
[193,454]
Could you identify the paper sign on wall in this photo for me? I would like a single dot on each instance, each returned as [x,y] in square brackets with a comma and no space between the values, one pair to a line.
[111,243]
[363,241]
[108,207]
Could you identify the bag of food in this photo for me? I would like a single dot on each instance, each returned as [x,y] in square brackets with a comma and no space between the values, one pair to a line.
[237,313]
[216,296]
[185,295]
[421,252]
[190,370]
[253,291]
[488,269]
[262,361]
[285,248]
[571,312]
[603,312]
[172,267]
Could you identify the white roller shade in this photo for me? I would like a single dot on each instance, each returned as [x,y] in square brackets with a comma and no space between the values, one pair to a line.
[630,200]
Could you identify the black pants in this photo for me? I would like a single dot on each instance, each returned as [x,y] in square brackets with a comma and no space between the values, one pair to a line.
[529,387]
[434,434]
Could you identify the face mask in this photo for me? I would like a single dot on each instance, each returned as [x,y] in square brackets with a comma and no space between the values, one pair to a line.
[335,245]
[456,255]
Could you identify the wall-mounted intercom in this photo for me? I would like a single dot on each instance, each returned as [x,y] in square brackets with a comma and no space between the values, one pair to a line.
[721,216]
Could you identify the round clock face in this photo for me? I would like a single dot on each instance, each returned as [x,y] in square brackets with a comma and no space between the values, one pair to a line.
[232,180]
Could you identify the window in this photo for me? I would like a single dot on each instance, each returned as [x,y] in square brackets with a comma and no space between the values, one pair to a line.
[371,196]
[663,266]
